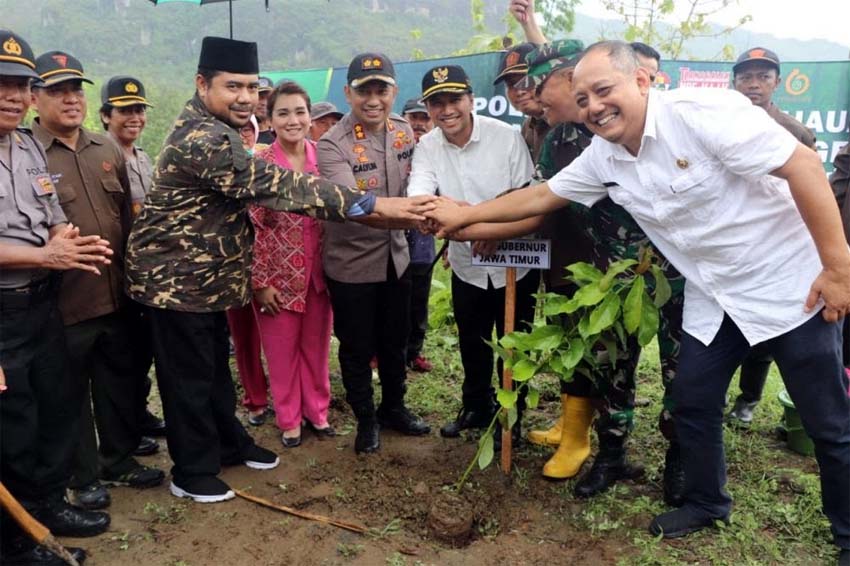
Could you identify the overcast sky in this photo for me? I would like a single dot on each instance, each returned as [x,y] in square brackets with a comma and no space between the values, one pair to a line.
[807,19]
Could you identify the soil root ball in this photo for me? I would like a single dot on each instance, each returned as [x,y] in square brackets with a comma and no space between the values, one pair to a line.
[450,519]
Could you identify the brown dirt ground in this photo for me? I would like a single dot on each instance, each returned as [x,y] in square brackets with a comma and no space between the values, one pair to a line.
[389,492]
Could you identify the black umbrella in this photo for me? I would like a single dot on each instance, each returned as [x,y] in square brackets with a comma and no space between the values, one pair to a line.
[201,2]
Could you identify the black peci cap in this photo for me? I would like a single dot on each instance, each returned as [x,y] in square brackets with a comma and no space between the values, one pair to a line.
[56,67]
[370,67]
[123,91]
[16,56]
[229,55]
[446,78]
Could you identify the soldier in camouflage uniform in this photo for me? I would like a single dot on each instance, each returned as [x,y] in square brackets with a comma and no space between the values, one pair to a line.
[615,236]
[188,260]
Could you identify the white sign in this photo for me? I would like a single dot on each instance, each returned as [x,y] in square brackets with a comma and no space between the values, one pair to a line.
[532,254]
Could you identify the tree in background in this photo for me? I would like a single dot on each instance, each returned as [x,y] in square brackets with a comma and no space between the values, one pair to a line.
[653,22]
[558,20]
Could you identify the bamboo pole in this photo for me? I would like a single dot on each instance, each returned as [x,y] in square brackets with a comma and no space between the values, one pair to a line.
[507,374]
[35,530]
[303,514]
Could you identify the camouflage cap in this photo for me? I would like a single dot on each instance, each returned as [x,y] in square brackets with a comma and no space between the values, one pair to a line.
[546,59]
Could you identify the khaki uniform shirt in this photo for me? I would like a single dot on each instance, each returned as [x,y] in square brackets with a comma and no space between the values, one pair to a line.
[350,155]
[798,130]
[190,247]
[94,192]
[140,172]
[29,206]
[534,132]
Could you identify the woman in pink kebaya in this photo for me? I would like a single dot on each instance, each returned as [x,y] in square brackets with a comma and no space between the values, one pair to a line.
[291,300]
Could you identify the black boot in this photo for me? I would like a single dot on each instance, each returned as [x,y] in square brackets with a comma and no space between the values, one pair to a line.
[478,417]
[609,467]
[368,438]
[674,477]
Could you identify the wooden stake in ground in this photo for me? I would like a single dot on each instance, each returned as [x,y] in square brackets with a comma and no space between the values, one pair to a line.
[507,375]
[35,530]
[303,514]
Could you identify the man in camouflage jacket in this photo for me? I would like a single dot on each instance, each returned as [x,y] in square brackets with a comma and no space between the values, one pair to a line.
[188,260]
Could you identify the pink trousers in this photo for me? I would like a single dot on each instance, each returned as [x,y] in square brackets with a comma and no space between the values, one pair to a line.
[246,344]
[297,347]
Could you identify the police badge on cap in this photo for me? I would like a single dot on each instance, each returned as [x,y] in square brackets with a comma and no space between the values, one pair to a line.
[16,56]
[370,67]
[229,55]
[445,78]
[123,91]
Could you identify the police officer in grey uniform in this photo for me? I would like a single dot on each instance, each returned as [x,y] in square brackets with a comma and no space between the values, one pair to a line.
[123,113]
[39,409]
[367,265]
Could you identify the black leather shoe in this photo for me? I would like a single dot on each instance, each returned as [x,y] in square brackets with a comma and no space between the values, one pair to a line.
[322,433]
[91,497]
[140,477]
[290,441]
[368,438]
[466,419]
[605,473]
[147,447]
[674,478]
[681,522]
[844,557]
[402,420]
[40,556]
[63,520]
[152,425]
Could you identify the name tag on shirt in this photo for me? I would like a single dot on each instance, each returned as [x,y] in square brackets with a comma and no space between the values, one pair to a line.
[43,186]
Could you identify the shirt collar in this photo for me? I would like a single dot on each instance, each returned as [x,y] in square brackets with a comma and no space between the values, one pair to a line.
[649,131]
[47,138]
[474,138]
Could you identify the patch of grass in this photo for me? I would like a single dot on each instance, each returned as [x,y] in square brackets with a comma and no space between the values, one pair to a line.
[349,550]
[168,515]
[396,559]
[391,528]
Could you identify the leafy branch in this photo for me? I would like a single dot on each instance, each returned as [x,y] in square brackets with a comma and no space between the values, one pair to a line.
[583,334]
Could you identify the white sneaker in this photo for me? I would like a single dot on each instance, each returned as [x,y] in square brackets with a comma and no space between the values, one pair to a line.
[208,489]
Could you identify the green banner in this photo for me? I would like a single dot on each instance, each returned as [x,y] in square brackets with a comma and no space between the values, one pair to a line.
[816,93]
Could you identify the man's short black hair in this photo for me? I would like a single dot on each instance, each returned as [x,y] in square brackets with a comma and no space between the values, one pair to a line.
[208,73]
[646,50]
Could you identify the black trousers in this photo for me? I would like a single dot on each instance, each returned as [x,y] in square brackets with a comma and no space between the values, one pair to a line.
[101,358]
[420,290]
[191,353]
[372,319]
[40,410]
[139,327]
[754,370]
[477,312]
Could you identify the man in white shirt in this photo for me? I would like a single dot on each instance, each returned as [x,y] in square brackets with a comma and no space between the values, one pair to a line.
[714,182]
[471,159]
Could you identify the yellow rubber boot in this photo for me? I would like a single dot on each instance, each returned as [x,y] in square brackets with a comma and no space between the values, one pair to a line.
[575,440]
[552,436]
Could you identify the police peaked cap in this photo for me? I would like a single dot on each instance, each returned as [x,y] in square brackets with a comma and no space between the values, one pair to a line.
[229,55]
[16,56]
